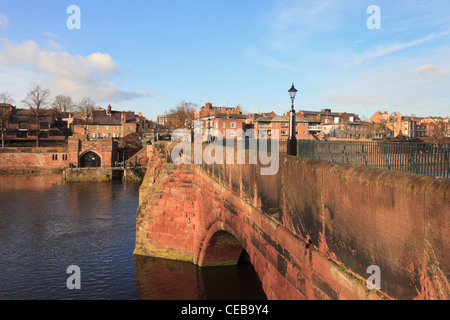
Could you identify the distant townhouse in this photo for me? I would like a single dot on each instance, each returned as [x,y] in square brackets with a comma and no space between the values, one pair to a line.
[230,126]
[228,121]
[107,123]
[306,128]
[348,130]
[208,110]
[327,116]
[23,125]
[437,127]
[400,126]
[165,121]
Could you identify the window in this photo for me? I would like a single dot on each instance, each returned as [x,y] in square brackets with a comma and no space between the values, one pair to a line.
[233,125]
[116,128]
[95,135]
[285,124]
[95,127]
[223,124]
[232,133]
[283,132]
[106,127]
[130,128]
[106,135]
[23,125]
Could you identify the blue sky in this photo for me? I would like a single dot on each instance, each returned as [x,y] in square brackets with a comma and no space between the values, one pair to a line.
[148,56]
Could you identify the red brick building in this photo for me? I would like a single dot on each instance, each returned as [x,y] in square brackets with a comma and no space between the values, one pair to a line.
[107,123]
[208,110]
[21,125]
[229,122]
[306,128]
[327,116]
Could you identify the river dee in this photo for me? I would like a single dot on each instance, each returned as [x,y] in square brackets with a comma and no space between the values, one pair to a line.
[47,226]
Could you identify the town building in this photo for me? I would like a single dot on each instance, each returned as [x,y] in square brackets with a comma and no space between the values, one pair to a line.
[22,125]
[348,130]
[165,121]
[107,123]
[227,122]
[327,116]
[208,110]
[398,126]
[306,128]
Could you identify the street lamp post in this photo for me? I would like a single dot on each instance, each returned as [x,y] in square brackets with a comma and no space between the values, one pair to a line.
[292,140]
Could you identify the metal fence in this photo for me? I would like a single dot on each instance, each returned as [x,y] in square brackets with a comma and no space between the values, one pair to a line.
[421,158]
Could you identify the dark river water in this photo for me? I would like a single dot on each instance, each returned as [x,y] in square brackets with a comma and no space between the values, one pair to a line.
[47,226]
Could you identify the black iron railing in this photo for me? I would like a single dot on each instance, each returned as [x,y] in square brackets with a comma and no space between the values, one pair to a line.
[422,158]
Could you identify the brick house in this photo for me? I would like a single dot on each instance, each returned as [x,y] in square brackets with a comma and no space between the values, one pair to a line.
[400,126]
[108,124]
[327,116]
[208,110]
[230,122]
[21,125]
[306,128]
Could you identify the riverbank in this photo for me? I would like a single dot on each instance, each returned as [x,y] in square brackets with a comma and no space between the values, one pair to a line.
[81,174]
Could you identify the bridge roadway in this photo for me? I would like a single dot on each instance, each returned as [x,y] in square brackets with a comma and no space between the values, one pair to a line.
[311,231]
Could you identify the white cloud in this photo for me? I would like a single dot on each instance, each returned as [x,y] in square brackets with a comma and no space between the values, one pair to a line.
[382,51]
[426,68]
[69,74]
[4,21]
[50,35]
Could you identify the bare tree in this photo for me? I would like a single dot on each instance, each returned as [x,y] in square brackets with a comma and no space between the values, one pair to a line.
[380,129]
[84,110]
[364,119]
[5,101]
[4,113]
[182,115]
[37,99]
[6,98]
[63,103]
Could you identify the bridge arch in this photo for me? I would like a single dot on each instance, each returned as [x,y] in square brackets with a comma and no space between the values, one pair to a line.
[220,247]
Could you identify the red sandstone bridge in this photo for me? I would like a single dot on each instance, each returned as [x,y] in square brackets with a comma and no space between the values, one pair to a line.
[311,231]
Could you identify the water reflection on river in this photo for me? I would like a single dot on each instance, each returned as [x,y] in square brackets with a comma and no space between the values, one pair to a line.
[46,226]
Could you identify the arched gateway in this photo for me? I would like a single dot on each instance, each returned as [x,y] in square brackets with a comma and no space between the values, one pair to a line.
[90,160]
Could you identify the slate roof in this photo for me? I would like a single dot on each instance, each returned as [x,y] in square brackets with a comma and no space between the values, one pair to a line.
[101,117]
[24,115]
